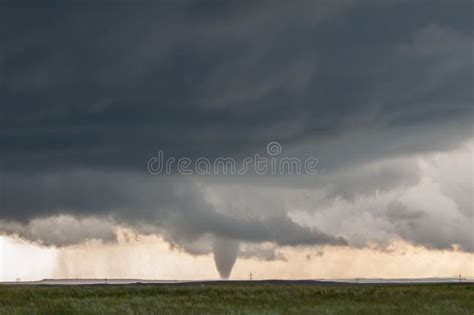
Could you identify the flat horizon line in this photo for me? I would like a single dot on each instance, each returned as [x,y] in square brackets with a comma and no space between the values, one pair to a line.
[124,281]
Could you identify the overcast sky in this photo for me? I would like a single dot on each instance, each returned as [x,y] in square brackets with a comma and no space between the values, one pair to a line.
[380,92]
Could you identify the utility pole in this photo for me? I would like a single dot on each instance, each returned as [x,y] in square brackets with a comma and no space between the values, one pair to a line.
[250,277]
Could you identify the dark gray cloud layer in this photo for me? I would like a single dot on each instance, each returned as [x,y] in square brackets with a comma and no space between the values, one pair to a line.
[176,206]
[89,91]
[104,84]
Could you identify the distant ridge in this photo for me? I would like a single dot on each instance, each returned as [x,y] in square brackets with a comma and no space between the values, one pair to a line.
[106,281]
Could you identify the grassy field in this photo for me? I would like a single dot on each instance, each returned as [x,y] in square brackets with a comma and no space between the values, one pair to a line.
[238,298]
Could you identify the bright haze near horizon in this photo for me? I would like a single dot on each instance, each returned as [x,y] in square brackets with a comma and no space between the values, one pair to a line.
[379,92]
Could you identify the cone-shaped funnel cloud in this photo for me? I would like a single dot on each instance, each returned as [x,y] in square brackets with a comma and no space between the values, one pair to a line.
[225,254]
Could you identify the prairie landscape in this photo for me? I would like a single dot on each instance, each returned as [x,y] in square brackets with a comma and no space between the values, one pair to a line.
[204,146]
[238,298]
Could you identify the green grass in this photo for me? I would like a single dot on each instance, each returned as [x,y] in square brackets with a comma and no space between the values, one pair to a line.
[237,299]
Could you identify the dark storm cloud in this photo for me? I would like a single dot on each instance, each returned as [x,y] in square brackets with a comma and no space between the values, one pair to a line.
[104,85]
[175,206]
[88,92]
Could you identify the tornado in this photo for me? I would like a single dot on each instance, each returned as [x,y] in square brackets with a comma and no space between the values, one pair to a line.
[225,254]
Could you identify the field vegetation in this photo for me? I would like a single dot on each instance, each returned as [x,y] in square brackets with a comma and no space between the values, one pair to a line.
[243,298]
